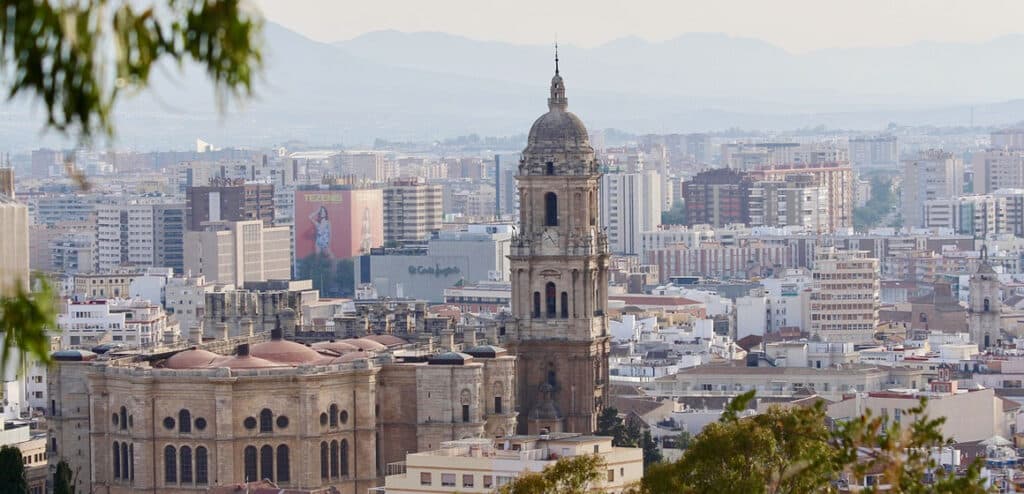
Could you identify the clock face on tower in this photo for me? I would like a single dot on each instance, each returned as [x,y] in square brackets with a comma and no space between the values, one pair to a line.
[549,239]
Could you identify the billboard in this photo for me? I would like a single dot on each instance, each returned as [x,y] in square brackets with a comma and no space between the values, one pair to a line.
[338,223]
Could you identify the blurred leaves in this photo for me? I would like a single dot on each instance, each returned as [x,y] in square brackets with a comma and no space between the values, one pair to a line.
[25,318]
[570,475]
[77,57]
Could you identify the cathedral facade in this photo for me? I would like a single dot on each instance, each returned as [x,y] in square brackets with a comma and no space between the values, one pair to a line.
[559,260]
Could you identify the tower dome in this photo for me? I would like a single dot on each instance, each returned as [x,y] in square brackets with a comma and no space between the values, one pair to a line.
[558,136]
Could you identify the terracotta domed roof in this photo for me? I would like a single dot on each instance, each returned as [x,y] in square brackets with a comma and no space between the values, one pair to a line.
[192,359]
[284,352]
[247,362]
[365,344]
[350,357]
[386,339]
[335,346]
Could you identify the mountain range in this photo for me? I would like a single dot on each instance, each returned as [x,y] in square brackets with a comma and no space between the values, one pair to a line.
[421,86]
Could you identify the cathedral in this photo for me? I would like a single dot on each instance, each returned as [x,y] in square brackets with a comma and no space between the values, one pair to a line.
[559,260]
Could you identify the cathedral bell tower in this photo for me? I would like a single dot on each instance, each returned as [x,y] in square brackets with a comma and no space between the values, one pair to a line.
[984,305]
[559,262]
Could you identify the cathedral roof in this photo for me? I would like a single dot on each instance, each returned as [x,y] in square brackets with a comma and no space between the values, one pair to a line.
[486,351]
[558,129]
[386,340]
[450,358]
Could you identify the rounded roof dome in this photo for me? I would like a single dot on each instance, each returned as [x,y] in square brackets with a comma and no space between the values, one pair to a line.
[365,344]
[558,128]
[386,339]
[486,351]
[73,355]
[335,346]
[450,358]
[191,359]
[285,352]
[350,357]
[246,362]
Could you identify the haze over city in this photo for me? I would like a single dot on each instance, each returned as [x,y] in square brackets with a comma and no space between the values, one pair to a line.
[406,247]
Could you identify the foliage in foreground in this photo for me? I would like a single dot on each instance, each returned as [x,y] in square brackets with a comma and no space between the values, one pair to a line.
[77,58]
[25,319]
[784,451]
[63,480]
[12,471]
[792,450]
[572,475]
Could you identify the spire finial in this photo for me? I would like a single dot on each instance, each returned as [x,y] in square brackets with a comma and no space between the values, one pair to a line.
[556,55]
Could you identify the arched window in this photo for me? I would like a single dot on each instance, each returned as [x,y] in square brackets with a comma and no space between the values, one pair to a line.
[549,167]
[283,468]
[550,298]
[550,209]
[267,462]
[184,421]
[124,418]
[250,464]
[324,465]
[170,465]
[266,420]
[117,460]
[334,459]
[333,414]
[344,457]
[131,461]
[186,465]
[565,305]
[202,466]
[536,305]
[986,305]
[124,461]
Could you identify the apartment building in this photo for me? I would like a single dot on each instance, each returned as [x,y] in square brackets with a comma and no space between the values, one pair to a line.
[630,204]
[996,169]
[934,174]
[845,296]
[237,252]
[874,151]
[836,178]
[229,200]
[412,210]
[977,215]
[134,323]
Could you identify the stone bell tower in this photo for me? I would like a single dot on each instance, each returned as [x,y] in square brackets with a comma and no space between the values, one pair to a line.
[559,261]
[984,305]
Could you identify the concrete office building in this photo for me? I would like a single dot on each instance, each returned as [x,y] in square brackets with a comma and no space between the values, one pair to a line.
[717,197]
[477,254]
[413,209]
[934,174]
[630,204]
[237,252]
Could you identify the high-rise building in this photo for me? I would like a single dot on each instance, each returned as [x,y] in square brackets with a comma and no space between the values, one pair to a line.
[168,235]
[237,252]
[229,200]
[412,210]
[47,163]
[844,297]
[340,220]
[876,151]
[145,235]
[795,201]
[976,215]
[717,197]
[14,258]
[559,262]
[836,178]
[996,169]
[630,204]
[7,182]
[935,174]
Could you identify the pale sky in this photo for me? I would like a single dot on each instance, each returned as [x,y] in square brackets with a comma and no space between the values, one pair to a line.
[796,25]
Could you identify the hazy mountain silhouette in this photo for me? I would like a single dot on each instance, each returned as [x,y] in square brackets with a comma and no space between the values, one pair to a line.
[431,86]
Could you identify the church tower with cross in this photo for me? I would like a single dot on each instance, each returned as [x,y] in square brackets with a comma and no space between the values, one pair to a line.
[559,263]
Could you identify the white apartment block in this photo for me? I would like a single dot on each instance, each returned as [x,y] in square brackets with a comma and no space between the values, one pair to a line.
[630,204]
[14,246]
[134,323]
[845,296]
[413,209]
[932,175]
[484,465]
[185,300]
